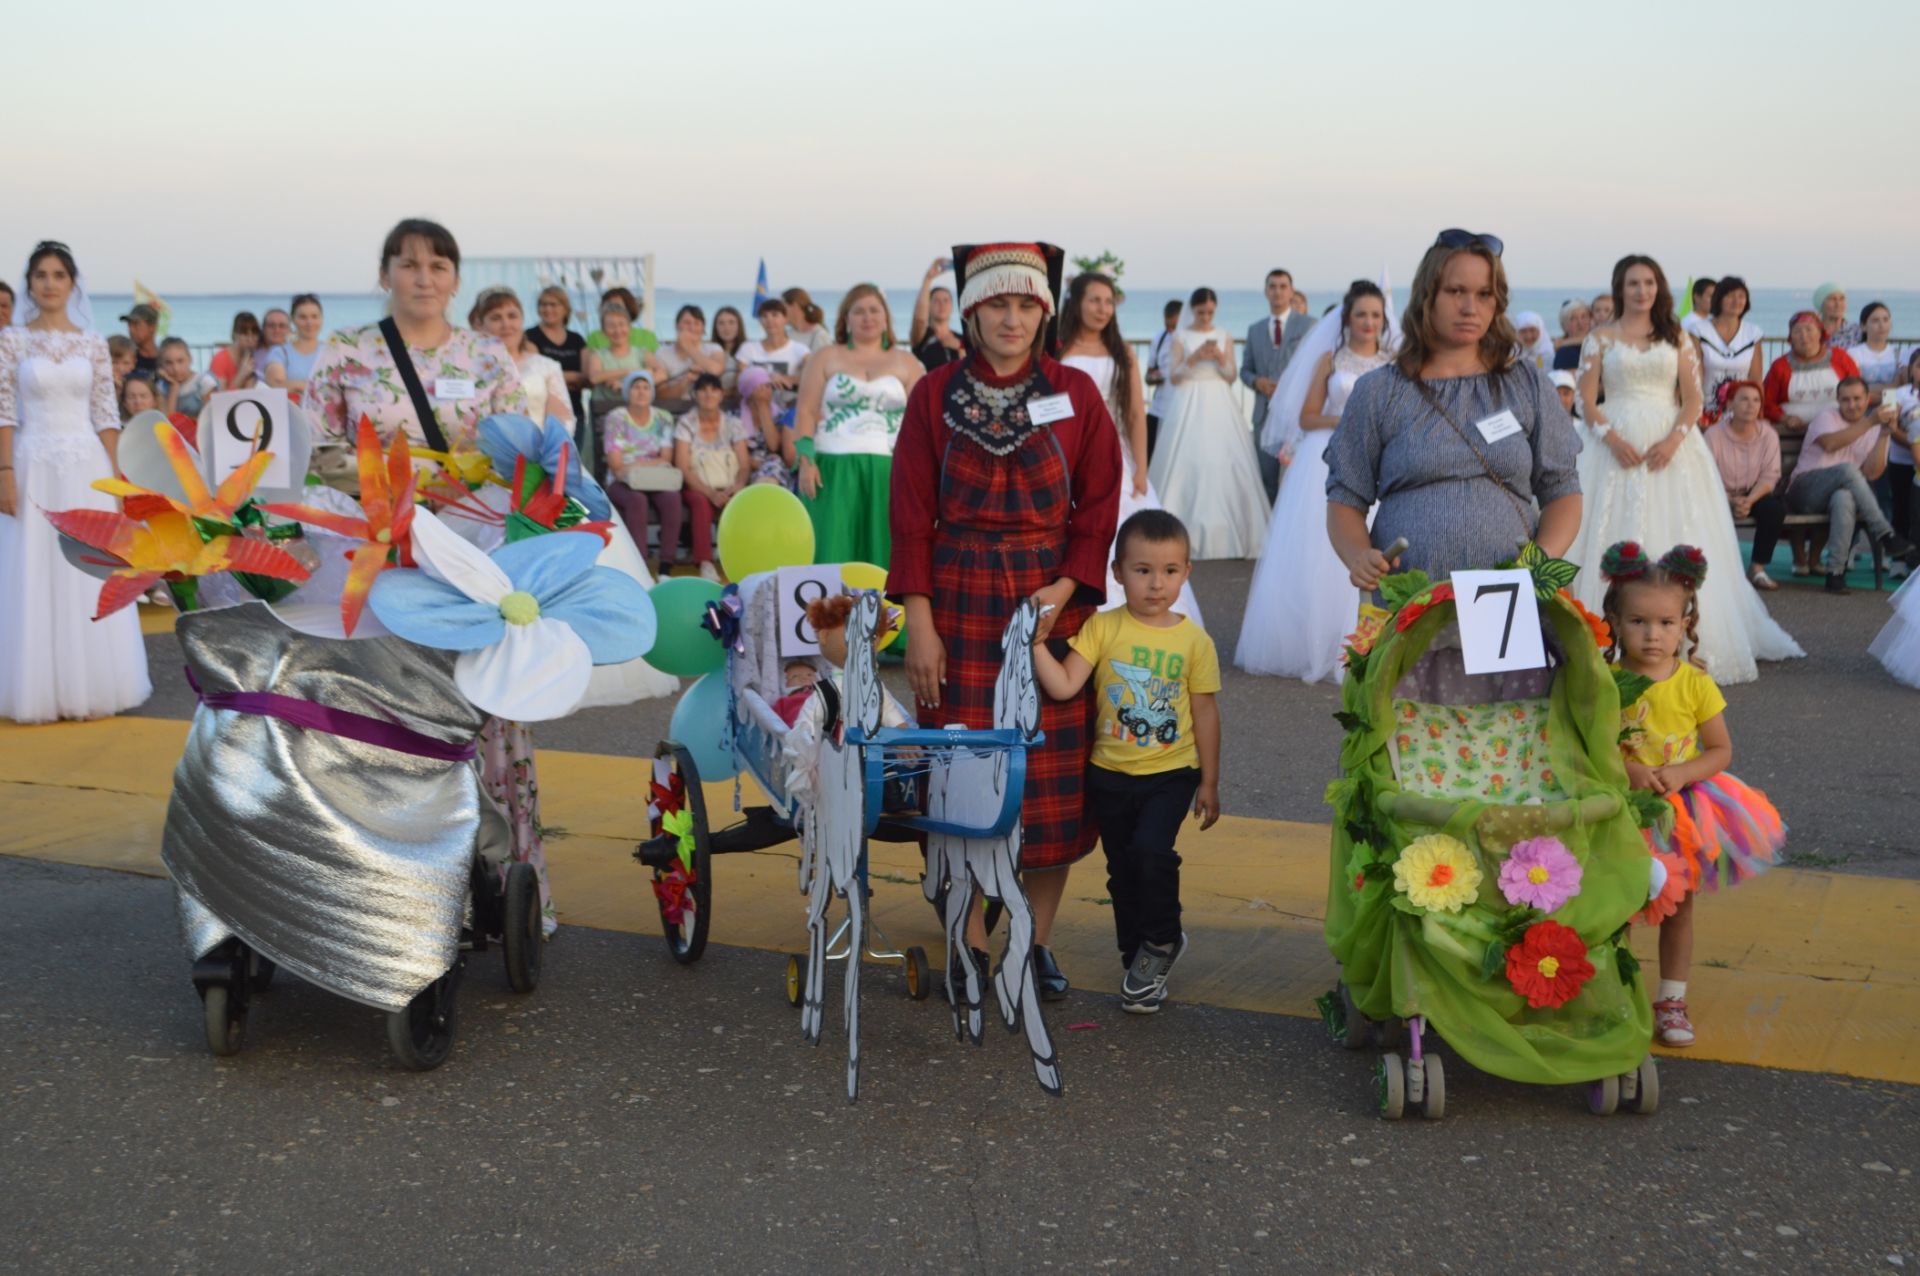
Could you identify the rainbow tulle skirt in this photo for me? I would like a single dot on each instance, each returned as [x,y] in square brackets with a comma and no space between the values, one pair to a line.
[1724,832]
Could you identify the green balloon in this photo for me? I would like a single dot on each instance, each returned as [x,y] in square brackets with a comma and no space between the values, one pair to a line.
[763,528]
[680,646]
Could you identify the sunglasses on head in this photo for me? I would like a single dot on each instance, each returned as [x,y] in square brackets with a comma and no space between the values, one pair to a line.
[1457,238]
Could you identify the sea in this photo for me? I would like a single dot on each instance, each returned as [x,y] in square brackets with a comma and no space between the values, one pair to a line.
[205,319]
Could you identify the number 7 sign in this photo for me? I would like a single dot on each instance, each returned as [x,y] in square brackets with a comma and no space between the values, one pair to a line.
[1499,617]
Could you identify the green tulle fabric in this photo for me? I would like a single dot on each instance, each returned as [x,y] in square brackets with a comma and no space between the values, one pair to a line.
[1401,961]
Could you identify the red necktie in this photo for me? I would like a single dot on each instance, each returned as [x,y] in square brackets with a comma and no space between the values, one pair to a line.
[1279,333]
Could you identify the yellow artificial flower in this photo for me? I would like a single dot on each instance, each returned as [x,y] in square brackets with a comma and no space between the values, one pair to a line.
[1437,872]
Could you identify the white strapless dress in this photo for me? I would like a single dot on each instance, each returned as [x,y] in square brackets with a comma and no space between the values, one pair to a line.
[1897,646]
[1684,504]
[56,661]
[1205,467]
[1101,369]
[1302,605]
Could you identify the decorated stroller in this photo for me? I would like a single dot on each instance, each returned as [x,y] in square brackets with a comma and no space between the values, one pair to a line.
[835,786]
[326,815]
[1487,858]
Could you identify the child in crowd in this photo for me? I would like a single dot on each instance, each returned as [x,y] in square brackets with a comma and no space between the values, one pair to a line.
[641,476]
[1567,386]
[182,390]
[1156,750]
[137,394]
[120,352]
[1678,746]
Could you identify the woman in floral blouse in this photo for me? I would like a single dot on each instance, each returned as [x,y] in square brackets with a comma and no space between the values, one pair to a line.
[467,376]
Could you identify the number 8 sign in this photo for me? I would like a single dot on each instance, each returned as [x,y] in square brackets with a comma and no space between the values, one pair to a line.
[798,587]
[1499,616]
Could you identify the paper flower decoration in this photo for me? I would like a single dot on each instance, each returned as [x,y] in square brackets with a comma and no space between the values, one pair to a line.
[1602,631]
[1373,622]
[1437,872]
[1549,965]
[1442,593]
[1674,881]
[530,620]
[386,498]
[1540,873]
[507,440]
[159,538]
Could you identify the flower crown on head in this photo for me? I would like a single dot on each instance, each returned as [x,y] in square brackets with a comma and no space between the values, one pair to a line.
[1626,560]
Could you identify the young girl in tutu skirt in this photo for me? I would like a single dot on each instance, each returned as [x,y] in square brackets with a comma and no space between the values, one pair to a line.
[1678,746]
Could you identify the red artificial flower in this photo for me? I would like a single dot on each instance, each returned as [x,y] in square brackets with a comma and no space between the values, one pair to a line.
[1549,965]
[1442,593]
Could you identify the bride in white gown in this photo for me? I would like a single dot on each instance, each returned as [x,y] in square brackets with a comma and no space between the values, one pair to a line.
[59,428]
[1646,475]
[1302,605]
[1090,340]
[1204,466]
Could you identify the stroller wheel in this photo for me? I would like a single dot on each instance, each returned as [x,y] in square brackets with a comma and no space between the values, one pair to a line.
[1603,1096]
[797,980]
[1645,1098]
[918,985]
[1433,1094]
[1390,1086]
[421,1034]
[226,1017]
[523,937]
[686,936]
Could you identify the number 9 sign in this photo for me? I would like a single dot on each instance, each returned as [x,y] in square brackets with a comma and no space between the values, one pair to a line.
[236,417]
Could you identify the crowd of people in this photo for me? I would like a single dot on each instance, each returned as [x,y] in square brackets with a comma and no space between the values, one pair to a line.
[1014,445]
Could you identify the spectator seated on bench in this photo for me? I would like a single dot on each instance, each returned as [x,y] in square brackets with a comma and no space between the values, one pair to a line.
[1844,450]
[1747,452]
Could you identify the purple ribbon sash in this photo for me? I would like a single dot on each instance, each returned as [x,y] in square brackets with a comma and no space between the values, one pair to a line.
[340,722]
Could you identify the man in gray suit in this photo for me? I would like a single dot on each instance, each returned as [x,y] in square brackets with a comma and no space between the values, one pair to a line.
[1270,345]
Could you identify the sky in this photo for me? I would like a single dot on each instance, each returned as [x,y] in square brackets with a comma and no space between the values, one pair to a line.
[224,147]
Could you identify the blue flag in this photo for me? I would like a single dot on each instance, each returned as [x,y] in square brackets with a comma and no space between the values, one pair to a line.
[760,287]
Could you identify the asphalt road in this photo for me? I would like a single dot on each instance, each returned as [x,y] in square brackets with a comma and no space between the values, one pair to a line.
[633,1115]
[1829,738]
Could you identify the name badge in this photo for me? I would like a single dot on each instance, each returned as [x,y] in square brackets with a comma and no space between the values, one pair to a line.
[1049,408]
[449,388]
[1500,425]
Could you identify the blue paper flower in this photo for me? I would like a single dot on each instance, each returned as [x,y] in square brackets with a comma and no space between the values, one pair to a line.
[505,438]
[530,620]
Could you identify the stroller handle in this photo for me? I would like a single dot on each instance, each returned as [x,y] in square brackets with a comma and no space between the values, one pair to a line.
[1412,808]
[890,743]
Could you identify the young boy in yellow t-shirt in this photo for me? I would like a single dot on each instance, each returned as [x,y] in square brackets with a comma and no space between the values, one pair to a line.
[1156,750]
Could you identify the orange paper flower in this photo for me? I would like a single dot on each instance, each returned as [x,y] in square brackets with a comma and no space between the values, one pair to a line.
[1602,632]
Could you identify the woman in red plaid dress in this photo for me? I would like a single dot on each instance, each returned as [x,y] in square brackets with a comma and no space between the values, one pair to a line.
[1006,485]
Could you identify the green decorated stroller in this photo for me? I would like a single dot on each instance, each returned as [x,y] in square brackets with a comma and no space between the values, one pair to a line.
[1487,857]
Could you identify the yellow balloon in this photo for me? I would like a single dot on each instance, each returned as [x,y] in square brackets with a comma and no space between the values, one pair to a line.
[868,576]
[763,528]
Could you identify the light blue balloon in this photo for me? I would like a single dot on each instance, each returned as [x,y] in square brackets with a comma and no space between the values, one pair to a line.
[703,724]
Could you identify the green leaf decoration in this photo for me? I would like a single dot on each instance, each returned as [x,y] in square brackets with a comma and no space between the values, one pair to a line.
[1626,963]
[1531,555]
[1405,905]
[1493,965]
[1357,663]
[1650,810]
[1402,588]
[1350,721]
[1631,686]
[1552,576]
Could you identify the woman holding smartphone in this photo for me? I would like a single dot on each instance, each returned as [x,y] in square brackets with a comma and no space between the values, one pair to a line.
[1205,468]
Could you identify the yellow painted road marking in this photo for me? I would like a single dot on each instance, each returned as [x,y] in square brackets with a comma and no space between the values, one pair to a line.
[1796,969]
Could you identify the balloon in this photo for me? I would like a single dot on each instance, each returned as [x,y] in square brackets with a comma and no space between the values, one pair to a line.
[703,724]
[680,646]
[867,576]
[763,528]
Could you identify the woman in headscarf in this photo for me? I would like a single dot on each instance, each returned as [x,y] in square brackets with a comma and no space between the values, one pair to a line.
[1535,346]
[1830,303]
[1006,485]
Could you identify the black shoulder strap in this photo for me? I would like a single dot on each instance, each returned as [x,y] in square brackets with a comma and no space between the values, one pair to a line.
[829,708]
[422,406]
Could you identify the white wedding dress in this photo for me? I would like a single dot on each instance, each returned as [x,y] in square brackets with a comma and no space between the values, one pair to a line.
[1897,645]
[1101,369]
[1683,504]
[56,390]
[1204,466]
[1302,605]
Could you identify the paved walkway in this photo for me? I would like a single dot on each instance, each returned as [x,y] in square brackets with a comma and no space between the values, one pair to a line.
[1799,969]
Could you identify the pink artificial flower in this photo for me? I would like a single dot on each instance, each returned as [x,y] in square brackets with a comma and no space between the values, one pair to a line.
[1540,873]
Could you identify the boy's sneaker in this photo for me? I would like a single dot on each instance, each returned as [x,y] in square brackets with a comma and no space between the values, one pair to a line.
[1145,985]
[1670,1023]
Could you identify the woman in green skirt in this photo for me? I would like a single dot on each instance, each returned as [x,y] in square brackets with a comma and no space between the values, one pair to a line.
[852,396]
